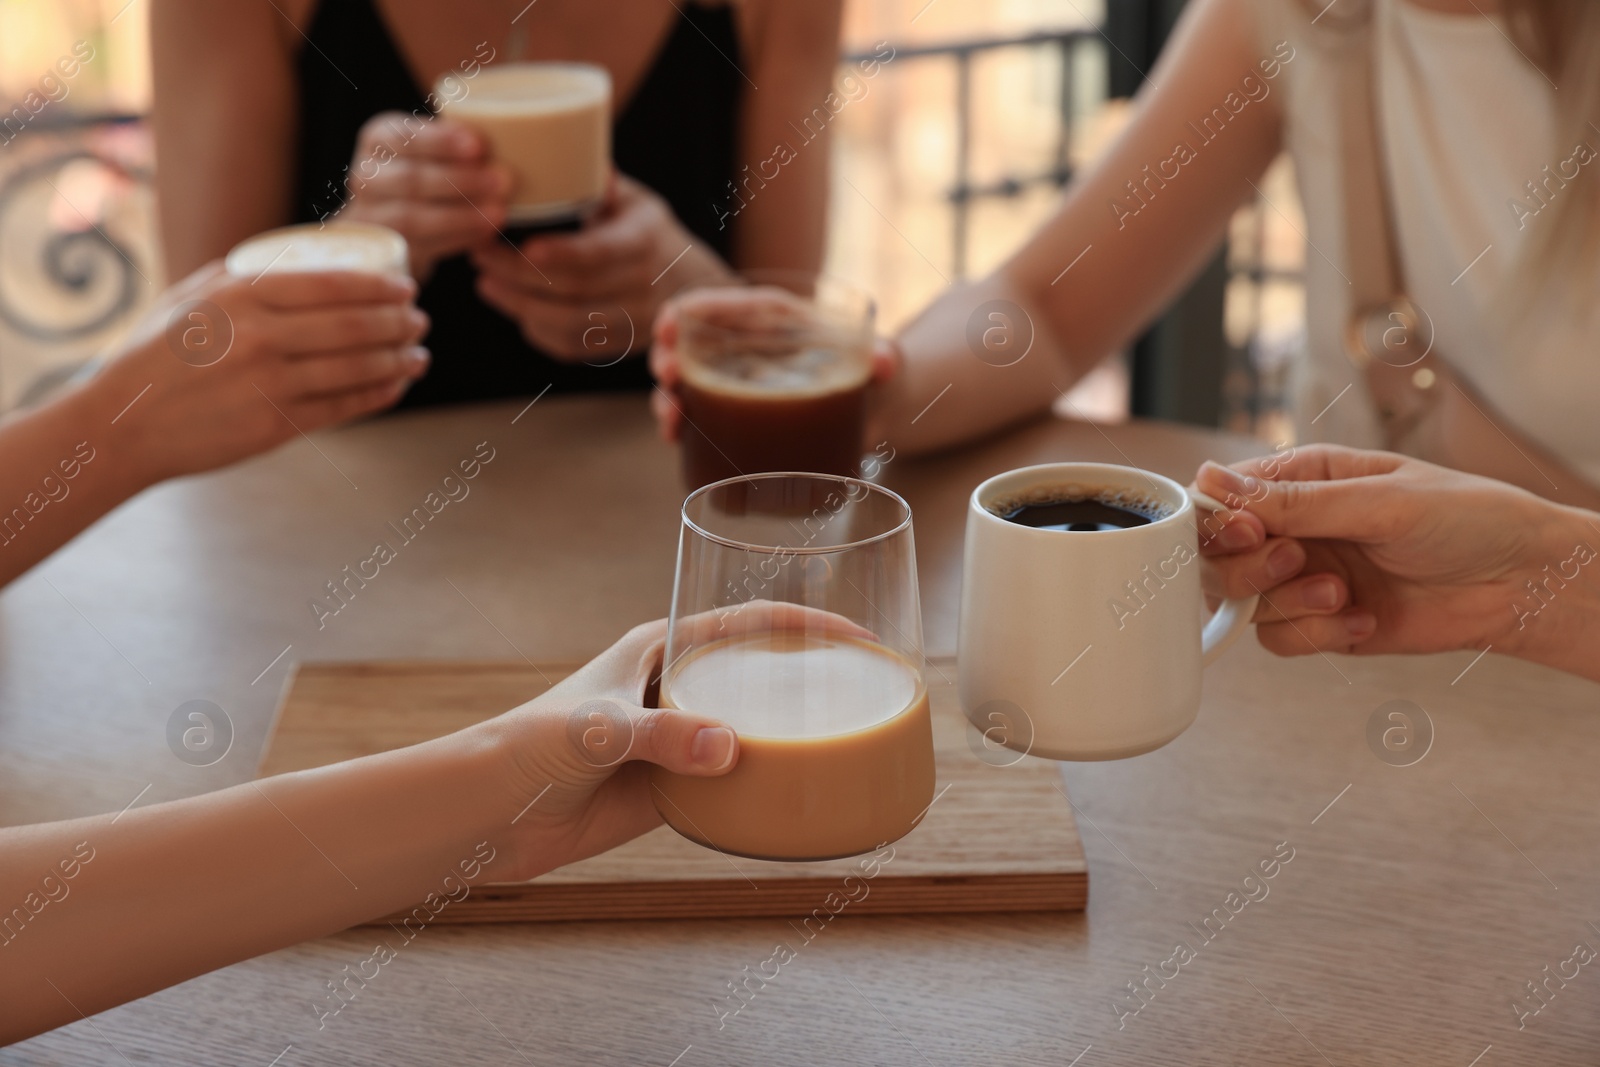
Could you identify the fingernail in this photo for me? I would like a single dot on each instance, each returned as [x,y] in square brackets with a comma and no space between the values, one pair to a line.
[417,356]
[418,318]
[712,748]
[1238,535]
[1285,560]
[1232,480]
[1360,624]
[1322,594]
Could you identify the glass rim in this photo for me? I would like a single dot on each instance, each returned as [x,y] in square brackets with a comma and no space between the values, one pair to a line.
[843,320]
[729,542]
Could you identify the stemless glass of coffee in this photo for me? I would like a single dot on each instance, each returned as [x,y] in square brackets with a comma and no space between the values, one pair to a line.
[550,124]
[795,620]
[773,376]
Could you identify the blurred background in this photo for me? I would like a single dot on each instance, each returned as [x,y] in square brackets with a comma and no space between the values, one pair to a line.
[944,162]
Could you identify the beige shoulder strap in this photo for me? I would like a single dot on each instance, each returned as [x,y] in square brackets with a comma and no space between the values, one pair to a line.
[1370,256]
[1388,337]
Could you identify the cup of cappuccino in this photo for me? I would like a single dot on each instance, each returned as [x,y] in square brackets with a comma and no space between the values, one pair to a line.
[1080,627]
[356,246]
[550,124]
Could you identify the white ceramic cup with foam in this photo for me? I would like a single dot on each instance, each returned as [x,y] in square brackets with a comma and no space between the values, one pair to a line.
[1082,645]
[311,246]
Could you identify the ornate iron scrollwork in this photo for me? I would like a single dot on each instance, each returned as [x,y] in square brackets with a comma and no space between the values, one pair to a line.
[71,261]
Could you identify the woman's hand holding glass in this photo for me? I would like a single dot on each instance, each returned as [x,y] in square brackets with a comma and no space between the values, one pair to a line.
[221,877]
[734,304]
[584,750]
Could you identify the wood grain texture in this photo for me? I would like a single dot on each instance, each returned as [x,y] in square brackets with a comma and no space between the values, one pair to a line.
[1410,916]
[999,837]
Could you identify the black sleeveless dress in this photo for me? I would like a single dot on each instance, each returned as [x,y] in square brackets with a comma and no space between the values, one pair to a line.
[675,135]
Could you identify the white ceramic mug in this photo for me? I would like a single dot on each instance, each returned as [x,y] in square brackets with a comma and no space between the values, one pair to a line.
[1086,645]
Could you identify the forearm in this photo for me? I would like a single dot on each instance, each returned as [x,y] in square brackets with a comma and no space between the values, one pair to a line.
[175,890]
[776,206]
[224,124]
[975,360]
[1565,630]
[62,466]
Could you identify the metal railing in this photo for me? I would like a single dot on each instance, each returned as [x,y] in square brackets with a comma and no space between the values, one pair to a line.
[963,191]
[1255,386]
[74,256]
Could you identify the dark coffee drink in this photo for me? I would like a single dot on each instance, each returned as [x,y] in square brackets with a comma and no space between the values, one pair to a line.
[773,380]
[1076,509]
[730,428]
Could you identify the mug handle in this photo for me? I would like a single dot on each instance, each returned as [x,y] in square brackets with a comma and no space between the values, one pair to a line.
[1232,617]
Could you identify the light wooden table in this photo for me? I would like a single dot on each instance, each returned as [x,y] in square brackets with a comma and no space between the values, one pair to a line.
[1417,903]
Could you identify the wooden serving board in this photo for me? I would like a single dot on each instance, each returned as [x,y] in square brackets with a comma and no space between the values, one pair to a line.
[996,839]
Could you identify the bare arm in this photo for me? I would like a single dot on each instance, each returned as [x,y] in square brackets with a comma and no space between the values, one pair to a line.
[1413,558]
[220,369]
[1137,249]
[1564,633]
[174,890]
[63,469]
[101,910]
[224,123]
[793,49]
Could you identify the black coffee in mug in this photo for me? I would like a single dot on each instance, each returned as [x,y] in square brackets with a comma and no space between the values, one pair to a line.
[1077,509]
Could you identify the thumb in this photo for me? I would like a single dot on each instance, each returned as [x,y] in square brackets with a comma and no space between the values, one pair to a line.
[604,733]
[1352,509]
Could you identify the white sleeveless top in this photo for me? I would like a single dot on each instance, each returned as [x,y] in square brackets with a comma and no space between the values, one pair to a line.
[1466,123]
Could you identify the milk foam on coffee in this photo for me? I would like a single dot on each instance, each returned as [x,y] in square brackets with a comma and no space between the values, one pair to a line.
[810,371]
[353,246]
[795,685]
[550,124]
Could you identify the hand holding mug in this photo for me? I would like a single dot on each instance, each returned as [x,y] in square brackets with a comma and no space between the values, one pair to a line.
[1421,558]
[233,367]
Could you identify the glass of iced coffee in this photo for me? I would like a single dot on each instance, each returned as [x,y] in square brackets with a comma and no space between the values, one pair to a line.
[795,620]
[773,376]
